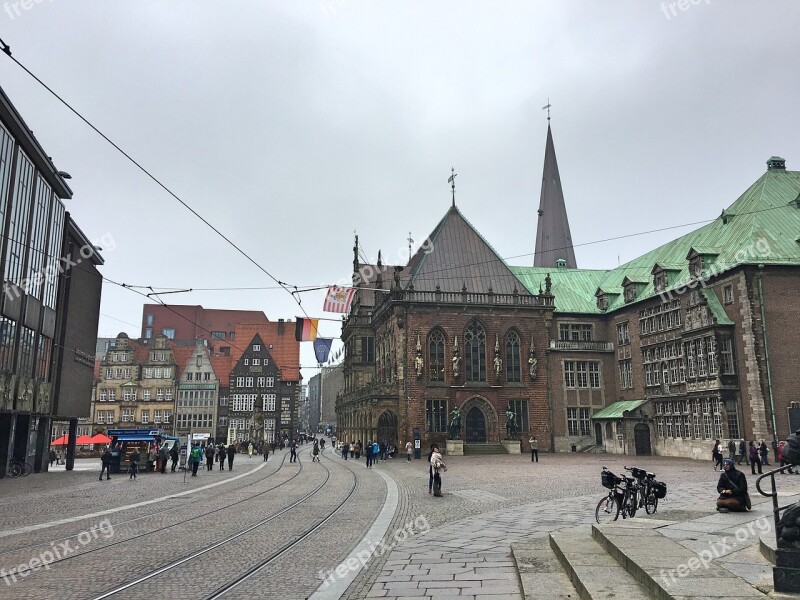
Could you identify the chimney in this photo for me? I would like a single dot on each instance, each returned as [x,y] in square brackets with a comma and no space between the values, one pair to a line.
[776,163]
[281,326]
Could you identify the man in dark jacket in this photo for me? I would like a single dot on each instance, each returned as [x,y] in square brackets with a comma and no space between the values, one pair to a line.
[209,457]
[163,457]
[231,454]
[173,454]
[106,460]
[742,452]
[732,488]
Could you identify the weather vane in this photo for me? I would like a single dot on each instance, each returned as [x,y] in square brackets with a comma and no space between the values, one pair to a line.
[452,181]
[547,108]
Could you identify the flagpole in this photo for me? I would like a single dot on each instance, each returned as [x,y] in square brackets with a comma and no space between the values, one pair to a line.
[320,392]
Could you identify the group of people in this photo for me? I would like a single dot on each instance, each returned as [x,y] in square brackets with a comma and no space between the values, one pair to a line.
[372,450]
[753,453]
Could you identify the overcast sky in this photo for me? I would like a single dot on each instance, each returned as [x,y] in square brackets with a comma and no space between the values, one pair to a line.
[292,124]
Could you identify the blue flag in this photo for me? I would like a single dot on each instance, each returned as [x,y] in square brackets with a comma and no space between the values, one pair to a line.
[322,348]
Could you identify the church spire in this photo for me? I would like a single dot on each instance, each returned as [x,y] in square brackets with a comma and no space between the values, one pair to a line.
[553,240]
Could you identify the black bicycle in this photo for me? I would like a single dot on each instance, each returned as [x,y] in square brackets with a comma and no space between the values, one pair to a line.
[622,497]
[648,500]
[17,468]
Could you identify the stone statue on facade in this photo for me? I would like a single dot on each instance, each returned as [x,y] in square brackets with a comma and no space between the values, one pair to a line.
[511,423]
[455,424]
[419,363]
[456,360]
[498,365]
[532,362]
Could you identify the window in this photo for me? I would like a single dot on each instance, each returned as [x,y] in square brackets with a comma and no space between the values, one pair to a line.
[149,320]
[101,418]
[727,298]
[520,409]
[206,376]
[256,362]
[583,380]
[575,332]
[112,395]
[159,393]
[169,332]
[368,349]
[475,352]
[223,401]
[243,402]
[158,372]
[148,333]
[145,417]
[240,382]
[625,375]
[146,394]
[256,347]
[168,394]
[270,382]
[109,373]
[217,335]
[707,419]
[261,381]
[222,421]
[167,372]
[246,362]
[623,335]
[572,421]
[148,373]
[726,356]
[718,410]
[156,416]
[436,356]
[513,369]
[102,395]
[127,415]
[712,356]
[569,376]
[118,373]
[733,425]
[630,292]
[248,382]
[268,402]
[594,375]
[129,394]
[167,416]
[436,415]
[188,376]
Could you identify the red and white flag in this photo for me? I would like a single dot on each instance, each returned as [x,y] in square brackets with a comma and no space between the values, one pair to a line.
[338,299]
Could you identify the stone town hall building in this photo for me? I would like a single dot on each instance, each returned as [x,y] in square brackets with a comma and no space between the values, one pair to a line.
[688,343]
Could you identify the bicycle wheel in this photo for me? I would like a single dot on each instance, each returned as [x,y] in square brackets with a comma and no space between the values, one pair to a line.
[15,469]
[27,469]
[607,510]
[651,503]
[631,503]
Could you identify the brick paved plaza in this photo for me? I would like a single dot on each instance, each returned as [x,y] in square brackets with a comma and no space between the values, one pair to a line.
[97,536]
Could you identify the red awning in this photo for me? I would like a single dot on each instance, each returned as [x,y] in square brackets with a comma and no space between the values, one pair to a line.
[100,439]
[83,440]
[62,441]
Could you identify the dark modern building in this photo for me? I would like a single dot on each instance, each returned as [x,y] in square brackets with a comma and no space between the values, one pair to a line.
[50,302]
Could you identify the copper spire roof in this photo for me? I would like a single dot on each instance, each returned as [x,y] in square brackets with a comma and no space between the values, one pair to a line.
[553,240]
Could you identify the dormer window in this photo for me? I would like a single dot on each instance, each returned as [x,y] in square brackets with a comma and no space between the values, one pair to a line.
[630,292]
[660,281]
[696,267]
[602,302]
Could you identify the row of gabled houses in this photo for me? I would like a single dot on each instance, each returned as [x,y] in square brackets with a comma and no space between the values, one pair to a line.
[242,383]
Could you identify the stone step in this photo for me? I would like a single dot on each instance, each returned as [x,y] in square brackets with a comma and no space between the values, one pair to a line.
[540,573]
[483,449]
[667,569]
[594,573]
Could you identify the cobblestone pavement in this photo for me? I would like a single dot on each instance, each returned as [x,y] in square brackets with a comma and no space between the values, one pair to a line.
[457,545]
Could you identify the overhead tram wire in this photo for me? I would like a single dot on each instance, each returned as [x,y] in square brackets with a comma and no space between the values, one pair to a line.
[7,50]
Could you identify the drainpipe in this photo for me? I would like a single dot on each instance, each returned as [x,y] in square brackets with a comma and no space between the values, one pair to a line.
[766,352]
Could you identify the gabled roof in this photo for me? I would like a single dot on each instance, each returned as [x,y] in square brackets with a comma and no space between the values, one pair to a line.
[458,256]
[222,368]
[573,289]
[553,239]
[764,232]
[182,355]
[635,279]
[285,350]
[662,266]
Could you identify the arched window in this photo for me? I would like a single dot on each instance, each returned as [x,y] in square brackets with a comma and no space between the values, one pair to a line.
[475,352]
[513,371]
[436,356]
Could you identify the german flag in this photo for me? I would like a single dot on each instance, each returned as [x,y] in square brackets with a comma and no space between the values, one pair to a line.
[306,329]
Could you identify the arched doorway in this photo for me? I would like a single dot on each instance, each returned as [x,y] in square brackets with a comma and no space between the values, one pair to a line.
[598,434]
[641,436]
[387,428]
[476,426]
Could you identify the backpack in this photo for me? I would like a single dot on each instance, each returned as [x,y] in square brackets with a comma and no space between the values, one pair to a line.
[196,453]
[375,449]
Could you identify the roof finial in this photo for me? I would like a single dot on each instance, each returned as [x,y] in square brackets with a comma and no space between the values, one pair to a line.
[547,108]
[452,182]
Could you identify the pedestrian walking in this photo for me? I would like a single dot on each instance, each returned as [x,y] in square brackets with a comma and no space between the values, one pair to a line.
[345,450]
[743,452]
[163,457]
[210,451]
[437,465]
[293,452]
[534,449]
[731,449]
[52,456]
[322,444]
[782,458]
[173,454]
[716,455]
[375,452]
[250,449]
[265,450]
[221,456]
[133,469]
[359,446]
[368,453]
[755,461]
[383,448]
[408,451]
[315,452]
[231,454]
[106,464]
[195,458]
[764,453]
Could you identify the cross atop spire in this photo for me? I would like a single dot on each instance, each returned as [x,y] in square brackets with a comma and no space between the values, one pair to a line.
[547,108]
[452,181]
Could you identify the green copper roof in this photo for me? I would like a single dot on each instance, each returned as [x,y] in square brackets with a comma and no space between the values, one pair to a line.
[760,227]
[715,307]
[617,410]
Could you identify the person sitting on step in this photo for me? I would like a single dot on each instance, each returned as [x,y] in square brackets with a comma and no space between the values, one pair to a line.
[732,488]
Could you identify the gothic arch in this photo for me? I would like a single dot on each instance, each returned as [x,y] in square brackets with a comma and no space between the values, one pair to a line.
[475,351]
[435,354]
[489,413]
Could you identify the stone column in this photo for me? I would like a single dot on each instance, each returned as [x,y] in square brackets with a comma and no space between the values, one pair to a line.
[42,461]
[73,435]
[6,439]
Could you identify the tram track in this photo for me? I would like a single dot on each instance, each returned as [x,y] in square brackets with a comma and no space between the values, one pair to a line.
[239,536]
[159,529]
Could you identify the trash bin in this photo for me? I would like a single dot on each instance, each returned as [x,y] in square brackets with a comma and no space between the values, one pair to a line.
[574,448]
[116,459]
